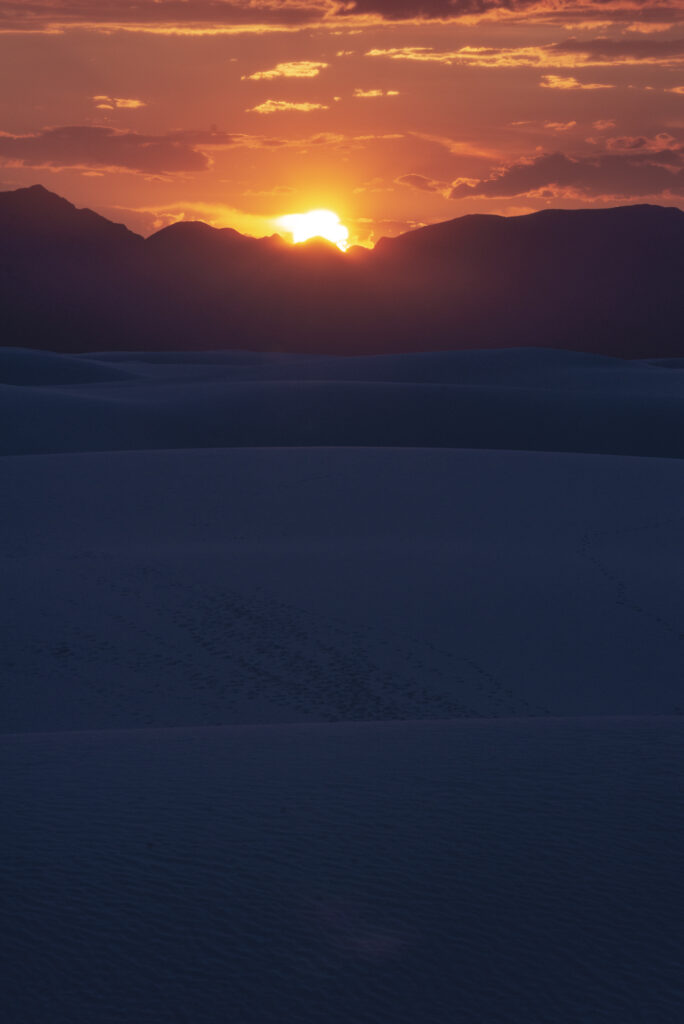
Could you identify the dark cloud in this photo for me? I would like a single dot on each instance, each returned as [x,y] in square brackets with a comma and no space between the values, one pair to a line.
[611,51]
[618,176]
[217,15]
[28,15]
[104,147]
[91,146]
[402,10]
[628,142]
[420,182]
[664,144]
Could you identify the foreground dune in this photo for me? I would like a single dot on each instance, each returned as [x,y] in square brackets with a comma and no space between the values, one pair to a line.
[438,872]
[312,714]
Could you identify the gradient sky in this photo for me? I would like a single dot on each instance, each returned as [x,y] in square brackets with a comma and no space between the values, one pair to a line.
[393,113]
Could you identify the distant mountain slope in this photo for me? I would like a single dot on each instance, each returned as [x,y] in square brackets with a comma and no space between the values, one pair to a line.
[603,281]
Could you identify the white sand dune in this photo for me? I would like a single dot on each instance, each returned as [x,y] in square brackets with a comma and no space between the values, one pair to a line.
[516,400]
[208,587]
[296,666]
[433,872]
[23,366]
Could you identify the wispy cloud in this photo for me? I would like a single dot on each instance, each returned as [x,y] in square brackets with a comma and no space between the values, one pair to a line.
[568,82]
[648,28]
[290,69]
[371,94]
[277,106]
[560,126]
[570,53]
[420,54]
[116,103]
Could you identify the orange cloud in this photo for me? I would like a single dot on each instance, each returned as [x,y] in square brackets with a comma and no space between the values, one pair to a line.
[421,54]
[116,103]
[647,28]
[571,53]
[290,69]
[458,147]
[277,106]
[568,82]
[368,94]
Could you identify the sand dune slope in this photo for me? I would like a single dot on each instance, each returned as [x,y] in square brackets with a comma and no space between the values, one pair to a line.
[526,400]
[446,872]
[295,685]
[209,587]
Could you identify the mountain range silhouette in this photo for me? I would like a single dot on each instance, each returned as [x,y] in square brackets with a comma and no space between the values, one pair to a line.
[605,281]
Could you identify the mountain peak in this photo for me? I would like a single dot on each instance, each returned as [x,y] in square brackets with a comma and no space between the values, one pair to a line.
[36,213]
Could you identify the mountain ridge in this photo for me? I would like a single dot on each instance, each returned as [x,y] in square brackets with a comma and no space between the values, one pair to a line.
[39,192]
[603,281]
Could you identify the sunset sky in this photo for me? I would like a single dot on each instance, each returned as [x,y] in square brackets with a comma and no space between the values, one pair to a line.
[392,113]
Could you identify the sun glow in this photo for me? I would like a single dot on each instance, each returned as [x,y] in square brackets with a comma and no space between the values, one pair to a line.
[316,224]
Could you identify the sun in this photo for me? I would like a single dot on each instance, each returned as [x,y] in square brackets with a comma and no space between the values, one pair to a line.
[316,224]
